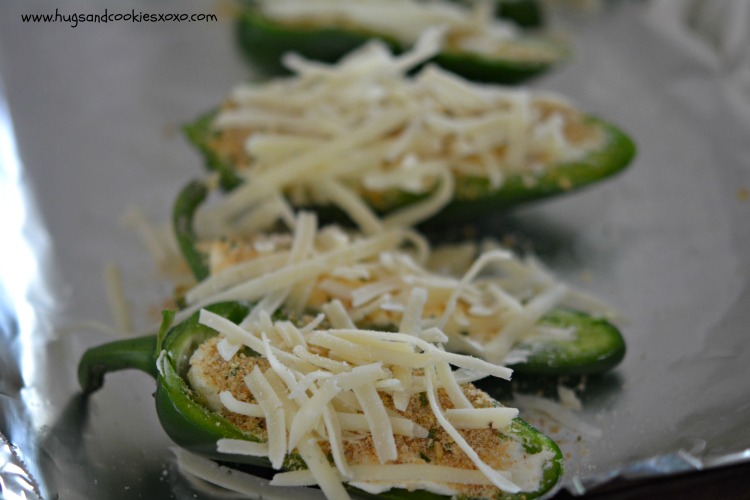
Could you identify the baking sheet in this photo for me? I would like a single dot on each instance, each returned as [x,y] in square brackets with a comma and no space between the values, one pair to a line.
[88,129]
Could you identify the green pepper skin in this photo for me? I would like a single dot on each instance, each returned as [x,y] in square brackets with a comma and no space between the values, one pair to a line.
[187,422]
[263,41]
[193,427]
[597,348]
[473,196]
[525,13]
[183,217]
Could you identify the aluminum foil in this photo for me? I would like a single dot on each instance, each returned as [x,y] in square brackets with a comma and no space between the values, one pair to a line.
[88,129]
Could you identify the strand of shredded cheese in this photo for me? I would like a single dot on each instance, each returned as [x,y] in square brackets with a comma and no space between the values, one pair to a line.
[496,478]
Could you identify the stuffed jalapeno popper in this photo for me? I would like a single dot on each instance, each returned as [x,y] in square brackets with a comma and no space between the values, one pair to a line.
[364,139]
[480,45]
[328,404]
[501,308]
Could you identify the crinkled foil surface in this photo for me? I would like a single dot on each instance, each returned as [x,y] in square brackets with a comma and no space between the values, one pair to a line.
[89,121]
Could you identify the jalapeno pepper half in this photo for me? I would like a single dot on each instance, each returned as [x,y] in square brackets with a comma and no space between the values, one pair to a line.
[596,346]
[473,196]
[264,40]
[194,427]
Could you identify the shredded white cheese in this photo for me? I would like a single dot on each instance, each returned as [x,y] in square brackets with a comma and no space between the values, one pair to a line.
[195,467]
[377,281]
[273,412]
[356,133]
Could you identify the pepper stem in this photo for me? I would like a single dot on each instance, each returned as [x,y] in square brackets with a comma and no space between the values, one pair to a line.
[138,353]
